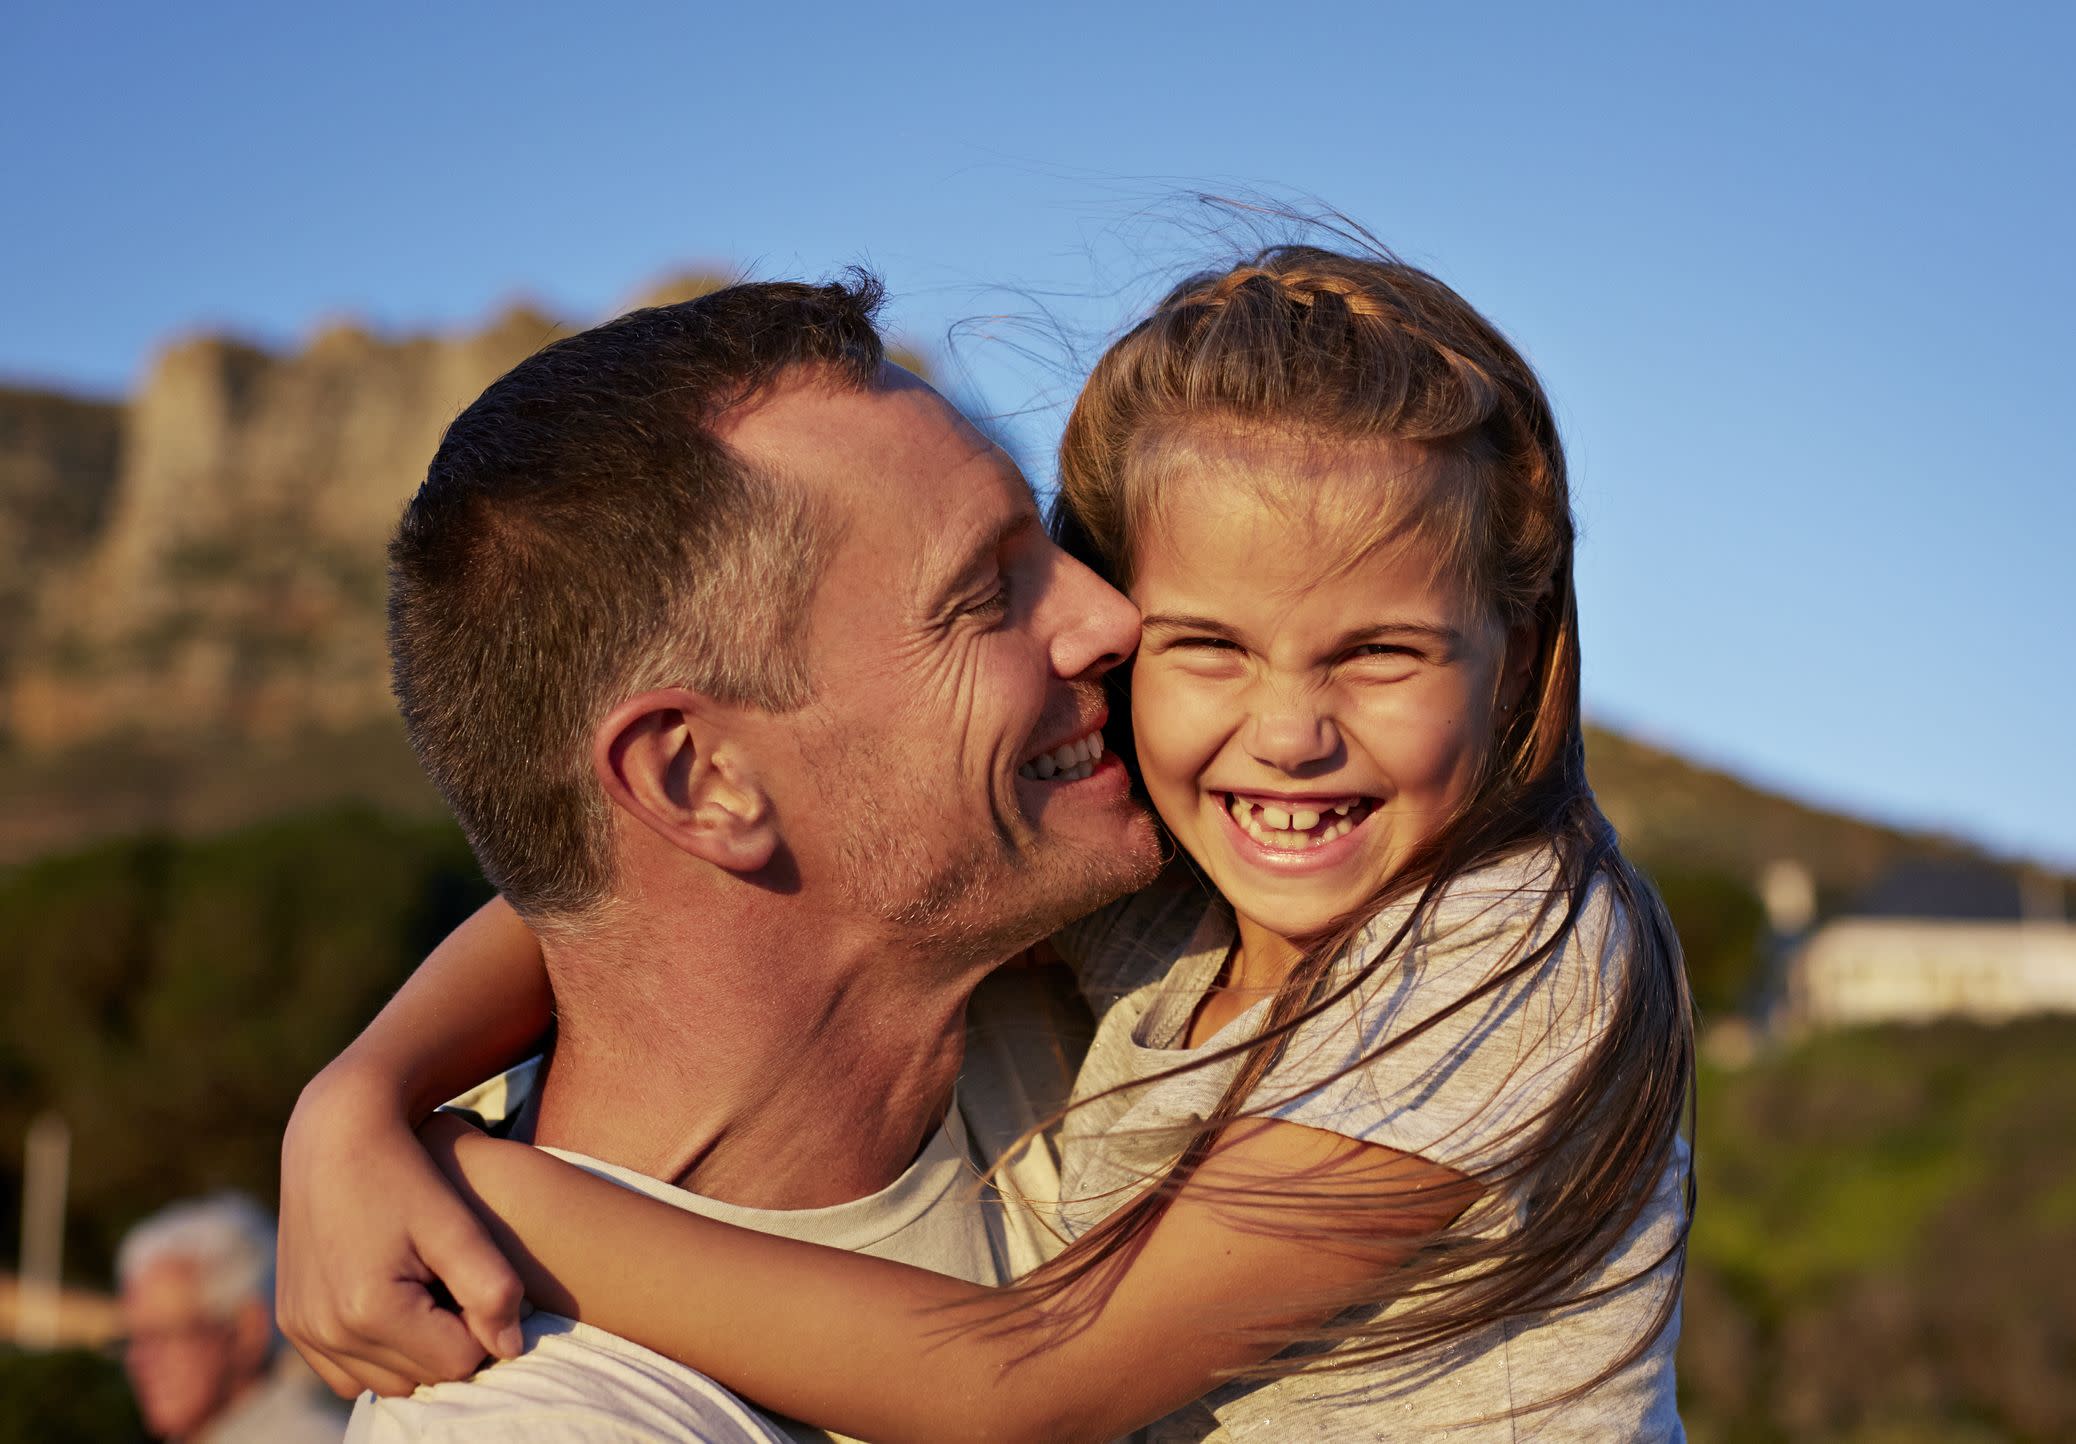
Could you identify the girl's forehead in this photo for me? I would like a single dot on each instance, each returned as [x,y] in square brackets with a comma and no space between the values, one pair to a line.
[1209,489]
[1278,582]
[1238,453]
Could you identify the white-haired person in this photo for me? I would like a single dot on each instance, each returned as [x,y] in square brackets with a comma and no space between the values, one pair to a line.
[201,1349]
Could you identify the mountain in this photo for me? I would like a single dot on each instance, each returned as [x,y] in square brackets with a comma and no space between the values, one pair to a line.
[191,606]
[230,581]
[59,461]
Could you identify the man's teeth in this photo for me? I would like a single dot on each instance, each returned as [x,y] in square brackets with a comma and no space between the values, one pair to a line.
[1069,763]
[1294,828]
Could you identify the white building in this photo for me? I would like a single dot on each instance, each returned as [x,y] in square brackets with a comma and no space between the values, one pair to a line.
[1938,940]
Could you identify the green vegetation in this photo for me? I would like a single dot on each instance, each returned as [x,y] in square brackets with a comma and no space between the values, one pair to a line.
[170,999]
[68,1398]
[1886,1243]
[1722,928]
[1886,1247]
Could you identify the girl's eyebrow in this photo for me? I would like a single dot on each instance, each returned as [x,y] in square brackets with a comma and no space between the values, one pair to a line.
[1446,640]
[1182,622]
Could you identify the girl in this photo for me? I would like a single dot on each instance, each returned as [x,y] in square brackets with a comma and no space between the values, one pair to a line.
[1408,1039]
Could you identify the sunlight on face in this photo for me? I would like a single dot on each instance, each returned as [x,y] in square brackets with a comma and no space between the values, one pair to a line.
[1304,719]
[954,646]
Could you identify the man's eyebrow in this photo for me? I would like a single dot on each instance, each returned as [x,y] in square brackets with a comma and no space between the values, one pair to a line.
[974,557]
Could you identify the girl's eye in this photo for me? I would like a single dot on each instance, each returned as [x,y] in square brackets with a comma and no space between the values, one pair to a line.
[1381,649]
[1208,644]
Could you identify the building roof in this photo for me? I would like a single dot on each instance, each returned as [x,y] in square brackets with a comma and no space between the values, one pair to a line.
[1955,888]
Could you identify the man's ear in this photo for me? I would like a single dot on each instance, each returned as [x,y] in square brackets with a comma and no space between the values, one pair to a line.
[669,759]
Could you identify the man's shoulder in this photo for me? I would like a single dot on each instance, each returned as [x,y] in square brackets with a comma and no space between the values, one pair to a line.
[573,1383]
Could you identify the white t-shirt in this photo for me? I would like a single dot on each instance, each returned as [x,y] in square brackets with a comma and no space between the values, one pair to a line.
[1450,1095]
[582,1384]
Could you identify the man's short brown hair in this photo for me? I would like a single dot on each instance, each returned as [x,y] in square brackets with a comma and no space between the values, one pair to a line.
[583,535]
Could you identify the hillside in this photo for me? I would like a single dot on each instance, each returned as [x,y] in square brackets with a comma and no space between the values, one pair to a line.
[1675,812]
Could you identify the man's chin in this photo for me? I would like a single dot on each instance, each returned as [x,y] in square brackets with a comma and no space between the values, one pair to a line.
[1076,877]
[987,912]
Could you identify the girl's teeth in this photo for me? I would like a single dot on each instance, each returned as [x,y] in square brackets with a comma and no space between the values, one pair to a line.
[1291,831]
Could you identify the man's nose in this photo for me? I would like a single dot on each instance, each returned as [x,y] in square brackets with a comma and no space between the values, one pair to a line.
[1096,625]
[1290,732]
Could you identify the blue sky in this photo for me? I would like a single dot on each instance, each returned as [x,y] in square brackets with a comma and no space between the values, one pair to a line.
[1796,276]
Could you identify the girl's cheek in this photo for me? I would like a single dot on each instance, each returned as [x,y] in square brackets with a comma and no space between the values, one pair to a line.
[1176,723]
[1453,748]
[1421,736]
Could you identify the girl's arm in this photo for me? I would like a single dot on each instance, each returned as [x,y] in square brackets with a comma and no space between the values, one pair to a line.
[368,1225]
[1256,1248]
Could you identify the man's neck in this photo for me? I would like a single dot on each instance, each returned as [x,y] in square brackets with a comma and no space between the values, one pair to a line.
[723,1060]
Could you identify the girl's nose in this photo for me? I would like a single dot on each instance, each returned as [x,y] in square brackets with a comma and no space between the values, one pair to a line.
[1291,736]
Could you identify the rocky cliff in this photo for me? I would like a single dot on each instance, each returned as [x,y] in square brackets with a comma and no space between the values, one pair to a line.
[59,461]
[229,577]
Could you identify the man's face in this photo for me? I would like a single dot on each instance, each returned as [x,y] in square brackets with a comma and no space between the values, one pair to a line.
[953,646]
[185,1364]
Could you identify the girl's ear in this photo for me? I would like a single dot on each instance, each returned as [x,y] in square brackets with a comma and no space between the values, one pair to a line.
[668,759]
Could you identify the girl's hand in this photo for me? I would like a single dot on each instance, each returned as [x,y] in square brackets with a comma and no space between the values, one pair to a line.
[368,1229]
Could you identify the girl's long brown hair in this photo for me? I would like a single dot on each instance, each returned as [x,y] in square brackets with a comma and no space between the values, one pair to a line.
[1331,347]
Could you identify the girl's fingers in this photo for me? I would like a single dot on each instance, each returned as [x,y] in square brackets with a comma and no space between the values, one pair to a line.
[398,1330]
[386,1382]
[335,1378]
[484,1286]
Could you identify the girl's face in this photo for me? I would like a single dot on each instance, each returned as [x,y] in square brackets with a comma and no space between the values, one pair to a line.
[1302,722]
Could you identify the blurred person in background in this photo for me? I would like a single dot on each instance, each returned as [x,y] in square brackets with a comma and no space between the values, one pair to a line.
[202,1353]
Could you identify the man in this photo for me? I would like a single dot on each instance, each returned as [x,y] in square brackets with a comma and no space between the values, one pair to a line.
[735,650]
[204,1361]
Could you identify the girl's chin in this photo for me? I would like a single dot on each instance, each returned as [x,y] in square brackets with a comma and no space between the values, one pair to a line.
[1294,923]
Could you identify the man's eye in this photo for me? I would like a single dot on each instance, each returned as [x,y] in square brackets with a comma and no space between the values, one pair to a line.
[993,604]
[1381,649]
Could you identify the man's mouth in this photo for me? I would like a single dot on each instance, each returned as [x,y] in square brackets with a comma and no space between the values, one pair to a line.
[1068,762]
[1297,824]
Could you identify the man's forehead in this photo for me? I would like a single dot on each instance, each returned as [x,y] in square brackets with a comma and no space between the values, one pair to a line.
[895,457]
[811,421]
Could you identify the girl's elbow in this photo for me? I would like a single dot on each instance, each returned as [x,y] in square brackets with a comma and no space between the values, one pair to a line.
[1061,1424]
[1004,1420]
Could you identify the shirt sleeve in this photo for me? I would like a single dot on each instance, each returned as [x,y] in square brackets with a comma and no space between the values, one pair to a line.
[495,1104]
[1440,1054]
[1128,943]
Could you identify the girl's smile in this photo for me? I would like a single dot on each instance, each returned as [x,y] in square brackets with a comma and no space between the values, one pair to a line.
[1297,833]
[1314,693]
